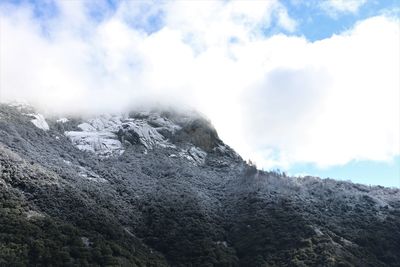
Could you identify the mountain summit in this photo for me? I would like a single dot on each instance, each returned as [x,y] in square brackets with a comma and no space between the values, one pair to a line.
[160,188]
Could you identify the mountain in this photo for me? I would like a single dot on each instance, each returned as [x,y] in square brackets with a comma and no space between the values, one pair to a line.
[158,187]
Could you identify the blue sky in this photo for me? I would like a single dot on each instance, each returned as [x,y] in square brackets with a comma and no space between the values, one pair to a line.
[309,87]
[364,172]
[317,24]
[314,22]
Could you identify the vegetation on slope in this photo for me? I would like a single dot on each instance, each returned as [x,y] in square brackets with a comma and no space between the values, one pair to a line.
[156,210]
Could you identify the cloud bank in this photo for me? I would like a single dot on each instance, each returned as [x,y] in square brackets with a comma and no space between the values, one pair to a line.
[276,98]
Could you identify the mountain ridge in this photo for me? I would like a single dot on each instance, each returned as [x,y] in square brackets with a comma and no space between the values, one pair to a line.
[180,197]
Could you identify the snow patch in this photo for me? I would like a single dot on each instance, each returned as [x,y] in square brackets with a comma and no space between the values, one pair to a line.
[104,144]
[223,243]
[317,231]
[39,121]
[86,127]
[33,214]
[194,154]
[3,183]
[62,120]
[90,175]
[198,155]
[20,105]
[106,123]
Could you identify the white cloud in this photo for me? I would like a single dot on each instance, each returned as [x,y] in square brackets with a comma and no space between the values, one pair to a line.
[333,100]
[285,21]
[278,100]
[335,7]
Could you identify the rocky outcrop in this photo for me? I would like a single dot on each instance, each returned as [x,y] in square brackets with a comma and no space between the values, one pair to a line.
[199,132]
[191,138]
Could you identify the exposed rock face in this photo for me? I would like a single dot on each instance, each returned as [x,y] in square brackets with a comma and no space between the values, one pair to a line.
[161,189]
[201,133]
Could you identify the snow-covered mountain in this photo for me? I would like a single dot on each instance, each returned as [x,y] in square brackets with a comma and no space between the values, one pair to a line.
[160,188]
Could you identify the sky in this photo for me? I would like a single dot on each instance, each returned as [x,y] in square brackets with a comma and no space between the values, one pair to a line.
[307,87]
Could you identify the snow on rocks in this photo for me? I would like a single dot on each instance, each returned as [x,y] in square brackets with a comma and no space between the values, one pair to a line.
[86,127]
[90,175]
[147,135]
[86,173]
[185,155]
[198,155]
[39,121]
[20,105]
[32,214]
[67,162]
[194,154]
[104,144]
[62,120]
[106,135]
[98,136]
[3,183]
[106,123]
[109,135]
